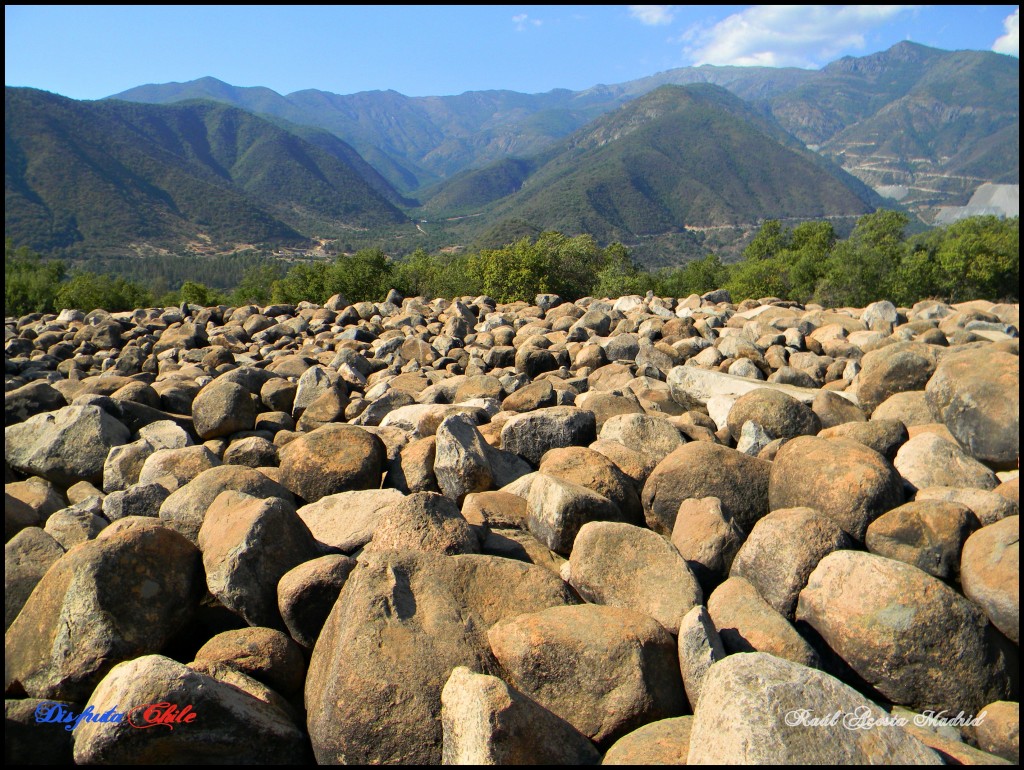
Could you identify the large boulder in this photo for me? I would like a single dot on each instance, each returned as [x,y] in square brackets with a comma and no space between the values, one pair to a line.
[782,551]
[843,479]
[227,725]
[424,521]
[701,469]
[747,623]
[590,469]
[403,622]
[27,557]
[928,460]
[531,434]
[486,722]
[990,573]
[247,545]
[307,593]
[906,633]
[605,670]
[976,393]
[185,509]
[757,709]
[654,437]
[926,533]
[346,521]
[558,509]
[621,565]
[111,599]
[779,414]
[223,408]
[665,742]
[894,368]
[65,446]
[332,459]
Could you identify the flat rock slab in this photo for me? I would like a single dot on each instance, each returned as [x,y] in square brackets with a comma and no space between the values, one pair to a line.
[692,387]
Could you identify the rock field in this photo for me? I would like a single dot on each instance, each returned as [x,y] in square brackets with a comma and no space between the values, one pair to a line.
[639,530]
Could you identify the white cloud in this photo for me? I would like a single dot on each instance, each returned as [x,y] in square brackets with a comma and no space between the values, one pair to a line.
[788,35]
[522,20]
[1010,42]
[652,15]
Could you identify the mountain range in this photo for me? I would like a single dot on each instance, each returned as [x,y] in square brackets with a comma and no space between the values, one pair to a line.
[678,162]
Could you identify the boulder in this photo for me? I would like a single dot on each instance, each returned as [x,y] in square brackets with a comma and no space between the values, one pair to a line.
[486,722]
[665,742]
[265,654]
[605,670]
[700,469]
[747,623]
[928,460]
[185,509]
[653,437]
[114,598]
[622,565]
[65,446]
[990,574]
[845,480]
[247,545]
[227,725]
[306,594]
[699,647]
[779,415]
[782,550]
[423,521]
[928,534]
[27,557]
[976,393]
[403,622]
[346,521]
[894,368]
[558,509]
[758,709]
[223,408]
[332,459]
[531,434]
[708,538]
[878,614]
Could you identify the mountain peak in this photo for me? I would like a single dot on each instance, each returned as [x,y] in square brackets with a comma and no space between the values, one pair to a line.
[902,53]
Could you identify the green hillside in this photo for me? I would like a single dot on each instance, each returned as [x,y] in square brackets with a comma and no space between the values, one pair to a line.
[118,176]
[681,156]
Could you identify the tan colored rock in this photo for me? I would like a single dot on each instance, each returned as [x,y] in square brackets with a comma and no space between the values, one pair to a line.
[247,545]
[111,599]
[708,538]
[346,521]
[621,565]
[928,460]
[403,622]
[990,573]
[845,480]
[605,670]
[307,593]
[486,722]
[265,654]
[782,551]
[229,725]
[927,534]
[699,470]
[332,459]
[756,709]
[423,521]
[747,623]
[877,614]
[665,742]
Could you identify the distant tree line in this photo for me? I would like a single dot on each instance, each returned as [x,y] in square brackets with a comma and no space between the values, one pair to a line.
[975,258]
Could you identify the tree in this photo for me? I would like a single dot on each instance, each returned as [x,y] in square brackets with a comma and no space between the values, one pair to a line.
[30,284]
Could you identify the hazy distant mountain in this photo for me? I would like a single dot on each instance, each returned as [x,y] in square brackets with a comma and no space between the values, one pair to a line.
[116,176]
[680,156]
[930,120]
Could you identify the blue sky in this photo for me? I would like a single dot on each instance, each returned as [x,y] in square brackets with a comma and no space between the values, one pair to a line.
[88,52]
